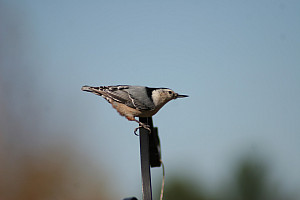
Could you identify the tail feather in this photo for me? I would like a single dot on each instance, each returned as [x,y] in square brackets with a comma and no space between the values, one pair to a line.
[86,88]
[95,90]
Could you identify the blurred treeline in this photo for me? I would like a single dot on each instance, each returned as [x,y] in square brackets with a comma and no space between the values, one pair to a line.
[51,175]
[249,180]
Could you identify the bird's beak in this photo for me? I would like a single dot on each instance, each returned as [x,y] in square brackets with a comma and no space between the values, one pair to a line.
[180,95]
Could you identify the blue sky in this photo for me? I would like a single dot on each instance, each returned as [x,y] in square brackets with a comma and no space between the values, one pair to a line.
[238,61]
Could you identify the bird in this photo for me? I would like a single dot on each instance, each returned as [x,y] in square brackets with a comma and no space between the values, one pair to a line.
[135,101]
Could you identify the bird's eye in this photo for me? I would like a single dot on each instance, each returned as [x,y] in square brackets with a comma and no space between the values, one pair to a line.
[170,92]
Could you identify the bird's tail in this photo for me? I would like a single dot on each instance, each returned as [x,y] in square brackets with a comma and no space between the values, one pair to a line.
[87,88]
[95,90]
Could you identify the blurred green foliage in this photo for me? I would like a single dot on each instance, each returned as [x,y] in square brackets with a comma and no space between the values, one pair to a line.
[249,181]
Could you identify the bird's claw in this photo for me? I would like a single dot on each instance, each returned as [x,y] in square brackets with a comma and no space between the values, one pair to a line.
[135,130]
[147,127]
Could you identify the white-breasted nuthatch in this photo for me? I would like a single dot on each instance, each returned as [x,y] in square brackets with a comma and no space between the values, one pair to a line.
[135,101]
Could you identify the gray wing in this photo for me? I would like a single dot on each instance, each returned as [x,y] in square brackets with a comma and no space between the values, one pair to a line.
[140,98]
[137,97]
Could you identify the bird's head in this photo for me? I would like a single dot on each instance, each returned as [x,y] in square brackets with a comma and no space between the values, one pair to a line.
[161,96]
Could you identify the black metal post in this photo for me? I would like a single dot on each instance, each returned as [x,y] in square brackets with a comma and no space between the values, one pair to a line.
[145,160]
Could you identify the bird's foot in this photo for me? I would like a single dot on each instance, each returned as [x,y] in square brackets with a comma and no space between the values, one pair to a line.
[147,127]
